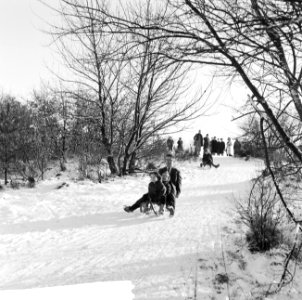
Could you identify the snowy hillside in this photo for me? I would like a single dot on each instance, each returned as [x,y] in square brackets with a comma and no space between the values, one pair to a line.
[80,234]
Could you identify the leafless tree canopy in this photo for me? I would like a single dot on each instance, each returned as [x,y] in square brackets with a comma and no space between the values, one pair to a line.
[135,91]
[256,42]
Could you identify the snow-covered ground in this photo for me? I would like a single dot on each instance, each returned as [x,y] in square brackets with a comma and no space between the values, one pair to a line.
[80,234]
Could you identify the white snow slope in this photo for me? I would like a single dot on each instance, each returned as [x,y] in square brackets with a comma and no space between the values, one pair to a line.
[80,234]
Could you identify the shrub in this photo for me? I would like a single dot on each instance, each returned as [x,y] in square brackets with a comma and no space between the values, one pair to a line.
[31,182]
[262,215]
[185,155]
[14,184]
[150,166]
[263,233]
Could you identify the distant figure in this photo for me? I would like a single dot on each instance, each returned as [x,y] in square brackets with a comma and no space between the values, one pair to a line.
[214,146]
[222,146]
[180,147]
[237,148]
[206,143]
[198,143]
[207,160]
[229,147]
[170,143]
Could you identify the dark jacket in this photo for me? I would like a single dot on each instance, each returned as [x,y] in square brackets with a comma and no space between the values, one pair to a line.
[206,142]
[169,187]
[180,145]
[198,138]
[222,147]
[237,147]
[207,158]
[156,190]
[214,145]
[175,178]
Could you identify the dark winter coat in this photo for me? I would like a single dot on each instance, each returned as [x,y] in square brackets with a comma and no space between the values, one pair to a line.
[198,139]
[222,147]
[214,145]
[175,178]
[237,147]
[180,145]
[169,187]
[207,159]
[156,190]
[206,143]
[170,144]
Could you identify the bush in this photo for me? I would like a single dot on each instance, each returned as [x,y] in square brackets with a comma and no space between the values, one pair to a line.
[263,233]
[151,166]
[185,155]
[31,182]
[262,214]
[14,184]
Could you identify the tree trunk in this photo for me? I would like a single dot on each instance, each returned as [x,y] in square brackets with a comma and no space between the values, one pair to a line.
[125,163]
[5,176]
[112,165]
[64,148]
[62,164]
[132,163]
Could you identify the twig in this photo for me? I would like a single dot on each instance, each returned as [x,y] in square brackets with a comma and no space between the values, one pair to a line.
[286,272]
[225,269]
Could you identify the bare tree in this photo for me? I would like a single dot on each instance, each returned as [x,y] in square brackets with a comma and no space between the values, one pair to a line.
[127,81]
[94,78]
[253,41]
[46,129]
[158,93]
[15,121]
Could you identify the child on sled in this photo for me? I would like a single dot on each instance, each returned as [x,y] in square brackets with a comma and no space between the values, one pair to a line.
[156,195]
[207,160]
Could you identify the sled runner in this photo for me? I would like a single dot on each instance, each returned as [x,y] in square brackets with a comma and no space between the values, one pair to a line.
[147,207]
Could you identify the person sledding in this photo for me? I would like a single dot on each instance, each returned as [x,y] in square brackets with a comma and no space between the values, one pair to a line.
[207,160]
[156,195]
[175,181]
[170,193]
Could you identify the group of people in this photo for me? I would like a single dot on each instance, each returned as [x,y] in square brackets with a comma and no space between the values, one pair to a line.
[165,184]
[170,145]
[163,189]
[216,146]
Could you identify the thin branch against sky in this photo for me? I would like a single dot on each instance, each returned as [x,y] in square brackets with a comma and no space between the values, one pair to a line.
[26,56]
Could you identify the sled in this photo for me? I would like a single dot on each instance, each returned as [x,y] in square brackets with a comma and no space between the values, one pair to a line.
[148,207]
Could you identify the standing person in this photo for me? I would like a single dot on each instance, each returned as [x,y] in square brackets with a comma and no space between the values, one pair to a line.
[206,143]
[237,148]
[222,147]
[180,147]
[156,194]
[175,178]
[229,147]
[170,143]
[198,142]
[214,146]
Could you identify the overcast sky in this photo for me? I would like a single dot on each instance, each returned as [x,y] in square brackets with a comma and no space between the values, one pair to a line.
[25,54]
